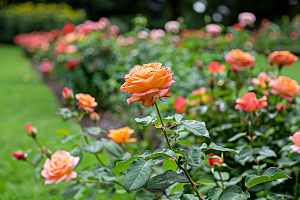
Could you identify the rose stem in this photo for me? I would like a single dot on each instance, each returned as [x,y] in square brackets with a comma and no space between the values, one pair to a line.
[185,171]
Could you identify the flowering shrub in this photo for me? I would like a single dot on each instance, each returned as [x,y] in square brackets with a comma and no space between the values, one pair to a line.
[235,134]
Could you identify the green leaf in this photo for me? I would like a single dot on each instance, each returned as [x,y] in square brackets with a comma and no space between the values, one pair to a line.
[122,166]
[177,187]
[184,142]
[146,120]
[113,148]
[62,131]
[270,174]
[225,175]
[214,194]
[234,192]
[170,165]
[286,162]
[66,113]
[91,195]
[70,191]
[36,158]
[76,152]
[219,148]
[194,158]
[138,174]
[237,136]
[166,179]
[158,160]
[66,139]
[178,118]
[94,130]
[94,147]
[197,128]
[167,153]
[205,181]
[188,197]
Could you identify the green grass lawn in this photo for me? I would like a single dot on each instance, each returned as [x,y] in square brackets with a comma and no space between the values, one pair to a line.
[24,98]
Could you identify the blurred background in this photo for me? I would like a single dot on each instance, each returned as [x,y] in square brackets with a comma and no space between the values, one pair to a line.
[195,13]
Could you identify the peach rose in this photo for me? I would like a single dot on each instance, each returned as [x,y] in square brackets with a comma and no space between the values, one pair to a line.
[59,167]
[180,104]
[204,97]
[215,67]
[121,135]
[31,130]
[250,103]
[214,161]
[239,60]
[148,82]
[94,117]
[296,139]
[285,87]
[86,102]
[280,58]
[261,80]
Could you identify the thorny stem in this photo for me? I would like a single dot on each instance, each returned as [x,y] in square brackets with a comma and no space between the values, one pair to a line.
[163,128]
[221,178]
[32,163]
[185,171]
[45,151]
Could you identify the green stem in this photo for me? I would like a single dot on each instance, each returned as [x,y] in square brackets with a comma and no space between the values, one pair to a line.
[296,186]
[163,128]
[32,163]
[191,181]
[99,160]
[221,178]
[279,70]
[265,185]
[41,147]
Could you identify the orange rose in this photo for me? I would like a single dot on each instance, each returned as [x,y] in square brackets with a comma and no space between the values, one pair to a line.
[285,87]
[59,167]
[121,135]
[86,102]
[280,58]
[180,104]
[148,82]
[215,67]
[261,80]
[250,103]
[214,161]
[239,60]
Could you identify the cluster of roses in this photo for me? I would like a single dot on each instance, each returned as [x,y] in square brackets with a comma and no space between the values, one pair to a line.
[59,165]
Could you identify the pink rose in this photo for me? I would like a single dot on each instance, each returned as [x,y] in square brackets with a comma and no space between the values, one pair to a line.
[172,26]
[250,103]
[59,167]
[156,33]
[46,66]
[246,18]
[180,104]
[296,139]
[213,29]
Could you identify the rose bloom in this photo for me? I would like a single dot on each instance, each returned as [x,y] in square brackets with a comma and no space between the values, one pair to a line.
[72,63]
[246,18]
[214,161]
[148,82]
[238,27]
[296,139]
[46,66]
[86,102]
[239,60]
[215,67]
[67,94]
[30,129]
[285,58]
[172,26]
[261,80]
[156,33]
[203,98]
[142,34]
[59,167]
[70,49]
[250,103]
[68,28]
[121,135]
[285,87]
[18,155]
[199,63]
[94,117]
[180,104]
[213,29]
[280,107]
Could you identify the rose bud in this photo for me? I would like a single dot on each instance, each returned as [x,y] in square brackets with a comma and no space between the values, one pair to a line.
[214,161]
[68,94]
[211,82]
[31,130]
[18,155]
[94,117]
[280,107]
[199,63]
